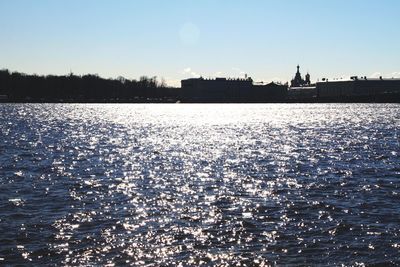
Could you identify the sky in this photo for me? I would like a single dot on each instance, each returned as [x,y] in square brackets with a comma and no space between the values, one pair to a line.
[178,39]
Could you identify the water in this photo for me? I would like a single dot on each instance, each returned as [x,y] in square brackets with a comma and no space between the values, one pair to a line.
[199,184]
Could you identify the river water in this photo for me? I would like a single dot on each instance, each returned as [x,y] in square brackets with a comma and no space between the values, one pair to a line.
[208,185]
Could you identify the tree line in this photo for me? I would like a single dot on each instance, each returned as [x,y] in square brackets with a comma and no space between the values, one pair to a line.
[21,87]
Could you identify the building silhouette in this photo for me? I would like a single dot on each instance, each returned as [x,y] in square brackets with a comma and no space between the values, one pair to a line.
[360,88]
[230,90]
[298,81]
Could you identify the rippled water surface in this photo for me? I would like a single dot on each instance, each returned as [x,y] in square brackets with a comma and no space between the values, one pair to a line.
[200,184]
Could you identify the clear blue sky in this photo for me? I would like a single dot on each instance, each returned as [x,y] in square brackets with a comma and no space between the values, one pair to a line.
[178,39]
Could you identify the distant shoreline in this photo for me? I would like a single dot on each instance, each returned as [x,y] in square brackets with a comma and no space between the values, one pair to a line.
[22,88]
[384,100]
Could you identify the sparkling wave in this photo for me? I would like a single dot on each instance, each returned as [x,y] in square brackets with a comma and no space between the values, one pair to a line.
[199,184]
